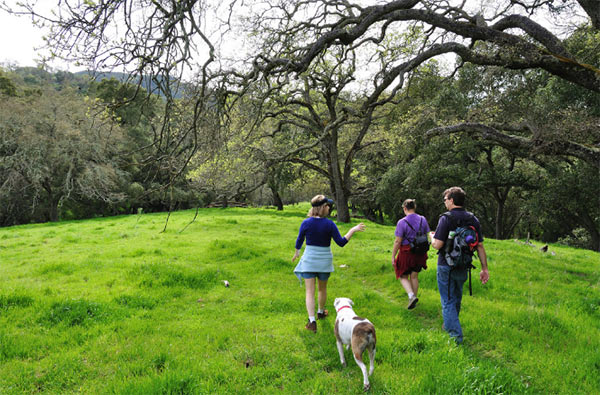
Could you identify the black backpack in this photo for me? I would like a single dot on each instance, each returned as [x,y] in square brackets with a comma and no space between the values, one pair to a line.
[459,249]
[420,245]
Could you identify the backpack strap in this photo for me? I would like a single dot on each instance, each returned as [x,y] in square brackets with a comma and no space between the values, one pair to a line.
[409,225]
[470,287]
[457,223]
[420,224]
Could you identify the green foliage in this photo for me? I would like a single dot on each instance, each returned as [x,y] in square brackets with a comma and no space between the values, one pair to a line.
[127,309]
[513,191]
[570,189]
[129,104]
[7,87]
[54,151]
[579,238]
[74,149]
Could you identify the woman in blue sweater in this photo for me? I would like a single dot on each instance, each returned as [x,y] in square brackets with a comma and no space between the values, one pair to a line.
[316,262]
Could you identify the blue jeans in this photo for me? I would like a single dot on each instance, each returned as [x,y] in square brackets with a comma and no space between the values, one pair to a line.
[450,285]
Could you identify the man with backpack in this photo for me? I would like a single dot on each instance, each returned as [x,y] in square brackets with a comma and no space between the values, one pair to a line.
[457,236]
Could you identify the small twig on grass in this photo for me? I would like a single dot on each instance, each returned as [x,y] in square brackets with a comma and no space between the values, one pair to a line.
[166,222]
[139,211]
[170,207]
[195,215]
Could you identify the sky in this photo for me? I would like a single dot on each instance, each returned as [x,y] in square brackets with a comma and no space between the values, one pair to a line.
[21,42]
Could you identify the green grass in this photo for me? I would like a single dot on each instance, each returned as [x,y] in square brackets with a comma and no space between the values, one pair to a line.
[112,305]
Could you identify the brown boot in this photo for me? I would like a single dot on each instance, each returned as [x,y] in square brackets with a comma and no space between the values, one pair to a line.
[322,315]
[312,326]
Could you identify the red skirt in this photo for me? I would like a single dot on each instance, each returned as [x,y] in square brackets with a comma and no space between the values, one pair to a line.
[406,262]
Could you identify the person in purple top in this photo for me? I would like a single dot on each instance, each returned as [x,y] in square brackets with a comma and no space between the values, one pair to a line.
[317,260]
[450,281]
[406,264]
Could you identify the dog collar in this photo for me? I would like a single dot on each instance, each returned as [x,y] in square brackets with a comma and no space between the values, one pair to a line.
[341,308]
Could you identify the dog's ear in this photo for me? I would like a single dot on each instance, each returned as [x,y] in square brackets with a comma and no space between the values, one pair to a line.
[351,302]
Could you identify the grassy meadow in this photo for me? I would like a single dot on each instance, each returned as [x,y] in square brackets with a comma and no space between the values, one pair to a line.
[112,305]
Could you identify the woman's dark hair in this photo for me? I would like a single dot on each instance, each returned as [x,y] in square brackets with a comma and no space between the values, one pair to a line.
[410,204]
[457,195]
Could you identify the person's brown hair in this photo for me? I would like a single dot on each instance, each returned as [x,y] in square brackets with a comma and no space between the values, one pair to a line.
[318,211]
[457,195]
[410,204]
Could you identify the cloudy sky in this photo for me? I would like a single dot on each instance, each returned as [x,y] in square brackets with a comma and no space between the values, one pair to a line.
[19,40]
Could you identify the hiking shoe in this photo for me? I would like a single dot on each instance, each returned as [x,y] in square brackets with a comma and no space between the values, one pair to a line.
[311,326]
[412,302]
[322,315]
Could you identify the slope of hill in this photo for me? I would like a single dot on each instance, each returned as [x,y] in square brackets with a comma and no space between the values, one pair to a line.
[114,305]
[147,83]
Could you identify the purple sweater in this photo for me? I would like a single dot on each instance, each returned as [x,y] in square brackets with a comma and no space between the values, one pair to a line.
[407,234]
[319,232]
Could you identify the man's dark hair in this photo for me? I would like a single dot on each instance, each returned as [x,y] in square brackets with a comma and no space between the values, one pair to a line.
[457,195]
[409,204]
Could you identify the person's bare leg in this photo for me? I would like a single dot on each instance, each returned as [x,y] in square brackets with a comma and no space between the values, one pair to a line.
[322,295]
[407,284]
[414,281]
[310,296]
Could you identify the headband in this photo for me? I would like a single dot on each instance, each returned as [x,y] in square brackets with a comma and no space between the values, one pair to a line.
[322,202]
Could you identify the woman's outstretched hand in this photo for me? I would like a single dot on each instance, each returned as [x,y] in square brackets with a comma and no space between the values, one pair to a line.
[296,255]
[359,228]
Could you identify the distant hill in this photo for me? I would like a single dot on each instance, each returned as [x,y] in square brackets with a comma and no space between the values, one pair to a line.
[147,83]
[35,77]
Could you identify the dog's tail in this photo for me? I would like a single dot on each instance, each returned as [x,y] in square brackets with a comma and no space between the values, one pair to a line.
[370,343]
[370,339]
[363,337]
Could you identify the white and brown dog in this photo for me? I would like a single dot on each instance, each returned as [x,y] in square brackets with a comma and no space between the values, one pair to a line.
[356,331]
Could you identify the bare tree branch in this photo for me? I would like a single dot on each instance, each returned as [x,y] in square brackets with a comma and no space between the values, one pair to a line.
[531,146]
[507,49]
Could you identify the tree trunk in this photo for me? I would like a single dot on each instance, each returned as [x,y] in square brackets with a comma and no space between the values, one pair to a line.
[277,199]
[595,240]
[499,234]
[343,213]
[53,210]
[341,193]
[591,226]
[52,201]
[336,179]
